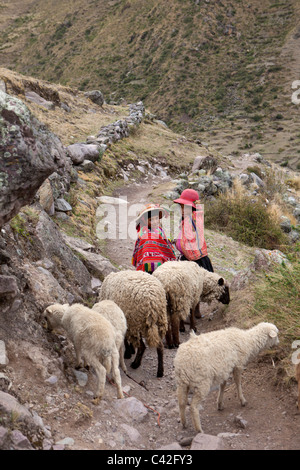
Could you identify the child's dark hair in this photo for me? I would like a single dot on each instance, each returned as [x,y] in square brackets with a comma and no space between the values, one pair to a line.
[153,213]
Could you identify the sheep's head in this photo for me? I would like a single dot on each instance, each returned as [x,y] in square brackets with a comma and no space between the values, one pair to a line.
[272,332]
[225,296]
[53,314]
[215,288]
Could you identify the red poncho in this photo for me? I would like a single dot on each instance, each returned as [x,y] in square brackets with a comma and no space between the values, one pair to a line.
[152,248]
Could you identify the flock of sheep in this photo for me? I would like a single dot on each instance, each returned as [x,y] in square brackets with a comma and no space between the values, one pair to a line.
[135,307]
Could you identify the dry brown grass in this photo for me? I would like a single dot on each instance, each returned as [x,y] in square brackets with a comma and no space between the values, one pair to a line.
[85,118]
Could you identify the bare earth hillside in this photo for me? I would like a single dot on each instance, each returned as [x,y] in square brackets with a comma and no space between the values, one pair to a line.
[222,72]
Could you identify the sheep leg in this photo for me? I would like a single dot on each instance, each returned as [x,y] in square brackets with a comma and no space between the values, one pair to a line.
[237,373]
[195,403]
[172,334]
[128,349]
[169,336]
[138,358]
[160,360]
[197,311]
[181,326]
[192,320]
[220,402]
[116,373]
[121,354]
[79,362]
[175,331]
[101,378]
[182,395]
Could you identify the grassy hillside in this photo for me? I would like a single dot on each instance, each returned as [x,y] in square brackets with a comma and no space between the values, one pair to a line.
[219,71]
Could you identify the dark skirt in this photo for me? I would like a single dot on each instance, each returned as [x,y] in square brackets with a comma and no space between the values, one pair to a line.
[203,262]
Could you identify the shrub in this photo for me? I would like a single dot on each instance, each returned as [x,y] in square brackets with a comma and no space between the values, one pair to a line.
[244,219]
[277,300]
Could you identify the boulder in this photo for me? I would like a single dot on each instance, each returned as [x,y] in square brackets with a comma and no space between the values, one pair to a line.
[55,248]
[36,150]
[95,263]
[79,152]
[62,205]
[37,99]
[45,287]
[205,162]
[3,356]
[8,286]
[132,408]
[95,96]
[45,197]
[206,442]
[285,224]
[19,441]
[9,405]
[87,166]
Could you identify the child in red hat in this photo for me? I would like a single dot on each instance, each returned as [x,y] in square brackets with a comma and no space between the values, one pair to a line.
[191,242]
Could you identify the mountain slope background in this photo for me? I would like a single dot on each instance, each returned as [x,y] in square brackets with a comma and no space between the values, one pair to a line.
[220,72]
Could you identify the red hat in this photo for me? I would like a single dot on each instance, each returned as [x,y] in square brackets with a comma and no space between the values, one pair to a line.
[188,197]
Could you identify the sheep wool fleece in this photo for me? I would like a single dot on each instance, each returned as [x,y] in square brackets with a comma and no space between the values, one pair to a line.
[208,360]
[211,357]
[94,340]
[142,299]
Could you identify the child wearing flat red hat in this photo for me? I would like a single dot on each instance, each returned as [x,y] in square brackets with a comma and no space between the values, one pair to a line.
[191,242]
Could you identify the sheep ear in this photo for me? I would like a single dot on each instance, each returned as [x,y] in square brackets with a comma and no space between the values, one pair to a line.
[221,281]
[273,334]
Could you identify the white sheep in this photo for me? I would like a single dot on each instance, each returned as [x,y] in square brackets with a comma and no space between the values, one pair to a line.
[208,360]
[94,340]
[110,310]
[185,284]
[142,299]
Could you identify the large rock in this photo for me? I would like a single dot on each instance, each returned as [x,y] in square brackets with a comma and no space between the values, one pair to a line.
[207,442]
[206,162]
[95,263]
[132,408]
[46,198]
[3,356]
[9,405]
[29,153]
[37,99]
[24,421]
[56,250]
[80,152]
[8,286]
[44,285]
[96,96]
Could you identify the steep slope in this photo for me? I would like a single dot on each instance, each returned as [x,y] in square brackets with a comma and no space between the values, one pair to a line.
[212,69]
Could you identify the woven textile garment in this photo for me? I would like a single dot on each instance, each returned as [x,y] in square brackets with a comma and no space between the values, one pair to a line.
[191,242]
[152,248]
